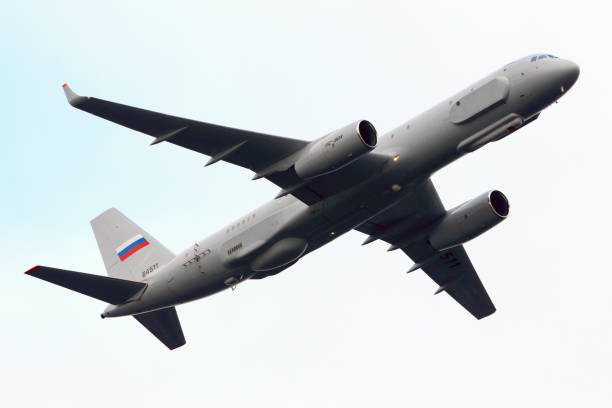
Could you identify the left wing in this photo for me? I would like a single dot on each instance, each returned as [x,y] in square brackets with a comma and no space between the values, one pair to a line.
[268,156]
[252,150]
[451,269]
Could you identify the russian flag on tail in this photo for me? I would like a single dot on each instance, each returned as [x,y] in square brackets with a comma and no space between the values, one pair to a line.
[132,245]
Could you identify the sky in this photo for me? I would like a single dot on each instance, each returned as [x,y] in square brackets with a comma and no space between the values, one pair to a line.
[345,326]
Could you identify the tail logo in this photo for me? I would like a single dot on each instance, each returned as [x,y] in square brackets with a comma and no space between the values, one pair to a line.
[131,246]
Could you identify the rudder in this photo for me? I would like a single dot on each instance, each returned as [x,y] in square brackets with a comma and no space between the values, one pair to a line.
[127,250]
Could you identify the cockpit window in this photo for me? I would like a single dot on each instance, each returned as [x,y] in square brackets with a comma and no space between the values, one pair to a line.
[539,57]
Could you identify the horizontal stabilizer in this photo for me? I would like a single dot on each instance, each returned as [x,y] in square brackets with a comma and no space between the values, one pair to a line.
[165,325]
[111,290]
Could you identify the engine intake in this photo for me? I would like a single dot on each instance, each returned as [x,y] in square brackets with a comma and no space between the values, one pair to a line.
[336,149]
[469,220]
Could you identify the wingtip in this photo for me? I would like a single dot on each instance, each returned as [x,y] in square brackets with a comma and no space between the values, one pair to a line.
[175,347]
[73,98]
[489,313]
[31,269]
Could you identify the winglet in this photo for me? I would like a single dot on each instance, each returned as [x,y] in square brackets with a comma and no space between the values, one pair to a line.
[73,99]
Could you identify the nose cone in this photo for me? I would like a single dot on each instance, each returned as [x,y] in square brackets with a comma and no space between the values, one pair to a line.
[547,79]
[569,72]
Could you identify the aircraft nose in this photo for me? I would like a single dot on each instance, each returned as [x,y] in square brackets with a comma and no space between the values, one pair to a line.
[568,72]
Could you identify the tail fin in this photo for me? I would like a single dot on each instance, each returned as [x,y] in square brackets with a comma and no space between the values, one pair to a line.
[110,290]
[127,250]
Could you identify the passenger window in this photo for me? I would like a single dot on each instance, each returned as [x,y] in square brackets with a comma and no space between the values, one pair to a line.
[541,57]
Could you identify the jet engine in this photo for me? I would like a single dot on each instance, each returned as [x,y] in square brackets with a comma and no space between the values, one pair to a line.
[336,149]
[469,220]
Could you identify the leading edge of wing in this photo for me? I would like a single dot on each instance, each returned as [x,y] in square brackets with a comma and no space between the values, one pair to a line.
[248,149]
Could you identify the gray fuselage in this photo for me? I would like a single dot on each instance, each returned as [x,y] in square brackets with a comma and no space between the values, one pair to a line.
[275,235]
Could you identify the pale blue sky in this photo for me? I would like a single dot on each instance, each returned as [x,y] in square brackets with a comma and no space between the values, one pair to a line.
[345,326]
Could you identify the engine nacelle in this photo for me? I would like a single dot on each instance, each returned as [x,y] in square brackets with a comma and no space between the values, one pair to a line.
[469,220]
[336,150]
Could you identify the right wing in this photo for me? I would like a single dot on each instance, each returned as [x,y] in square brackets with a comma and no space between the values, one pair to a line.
[403,226]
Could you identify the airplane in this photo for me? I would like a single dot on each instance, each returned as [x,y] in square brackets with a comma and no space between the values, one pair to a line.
[349,179]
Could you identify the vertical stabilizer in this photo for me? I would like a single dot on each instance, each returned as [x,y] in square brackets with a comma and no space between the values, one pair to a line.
[127,250]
